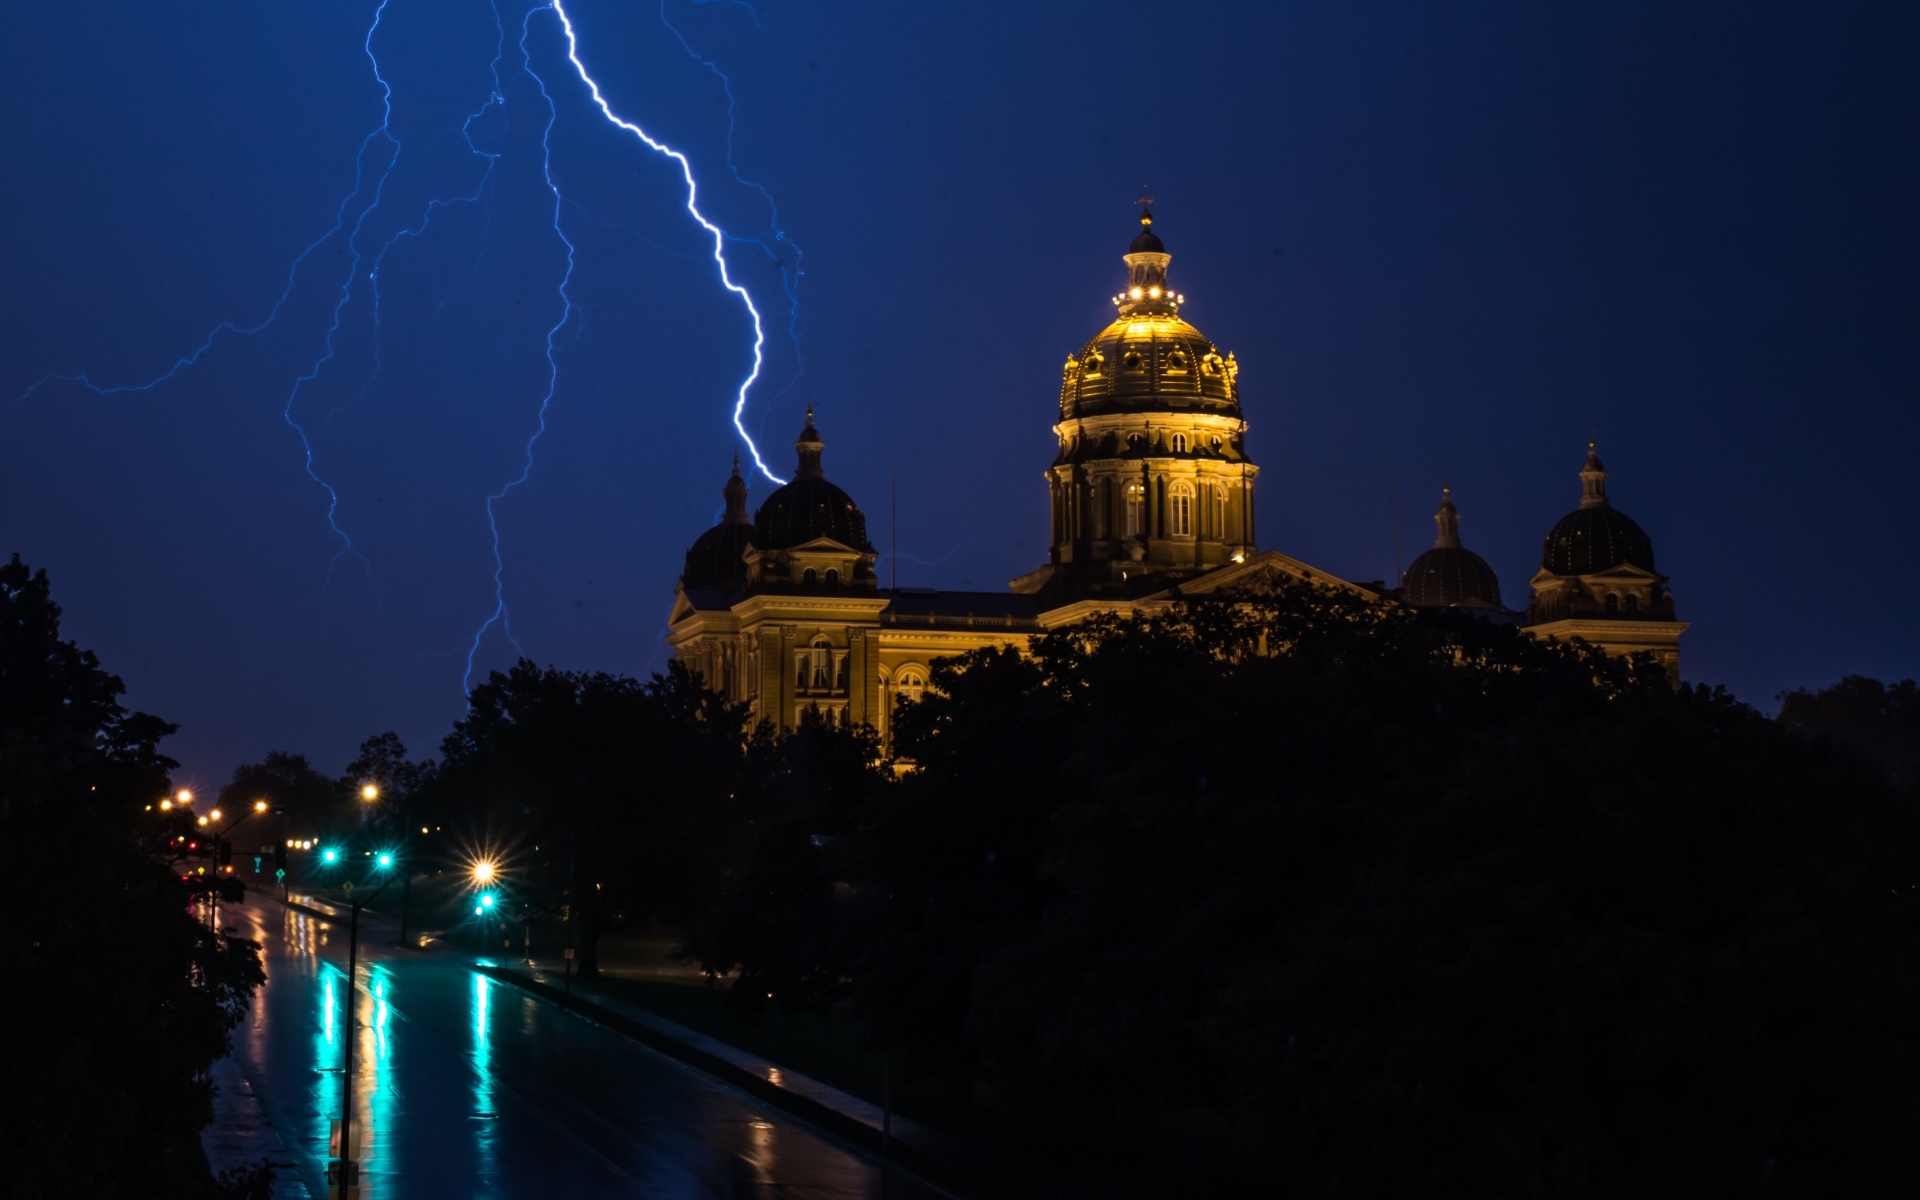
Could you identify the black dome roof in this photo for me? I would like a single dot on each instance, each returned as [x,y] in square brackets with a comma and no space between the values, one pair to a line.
[1452,576]
[1590,540]
[809,508]
[1147,243]
[714,559]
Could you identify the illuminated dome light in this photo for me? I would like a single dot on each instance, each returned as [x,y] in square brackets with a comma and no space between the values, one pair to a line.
[1162,363]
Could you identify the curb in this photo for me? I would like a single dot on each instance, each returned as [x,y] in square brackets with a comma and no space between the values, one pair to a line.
[857,1134]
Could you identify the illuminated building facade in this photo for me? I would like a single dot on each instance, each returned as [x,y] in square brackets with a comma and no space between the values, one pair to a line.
[1151,499]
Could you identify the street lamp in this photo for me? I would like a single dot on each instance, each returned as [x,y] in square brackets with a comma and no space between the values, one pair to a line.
[345,1170]
[370,792]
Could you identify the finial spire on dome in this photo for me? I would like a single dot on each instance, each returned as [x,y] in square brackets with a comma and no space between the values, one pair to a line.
[1448,519]
[736,497]
[809,447]
[1593,479]
[1147,260]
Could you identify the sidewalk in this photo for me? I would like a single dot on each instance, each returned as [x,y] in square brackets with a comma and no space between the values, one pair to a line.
[242,1133]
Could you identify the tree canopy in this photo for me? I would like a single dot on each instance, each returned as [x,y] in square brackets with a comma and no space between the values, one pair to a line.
[116,999]
[1378,901]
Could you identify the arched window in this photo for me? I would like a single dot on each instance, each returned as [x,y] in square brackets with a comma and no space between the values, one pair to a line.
[1136,441]
[1132,360]
[1180,506]
[1092,364]
[822,662]
[808,578]
[1633,604]
[1217,519]
[1136,498]
[1177,360]
[1613,604]
[1179,443]
[910,684]
[833,578]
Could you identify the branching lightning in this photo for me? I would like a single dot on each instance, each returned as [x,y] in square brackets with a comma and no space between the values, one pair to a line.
[355,223]
[693,209]
[789,279]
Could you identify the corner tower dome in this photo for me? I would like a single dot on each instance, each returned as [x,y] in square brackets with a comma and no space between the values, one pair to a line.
[715,558]
[1450,575]
[1149,358]
[1596,536]
[809,507]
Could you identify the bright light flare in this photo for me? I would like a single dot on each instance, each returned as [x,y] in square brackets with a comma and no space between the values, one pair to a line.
[370,792]
[385,860]
[184,796]
[483,872]
[330,855]
[259,806]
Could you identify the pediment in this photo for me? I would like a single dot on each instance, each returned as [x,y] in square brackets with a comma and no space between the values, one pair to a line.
[1265,571]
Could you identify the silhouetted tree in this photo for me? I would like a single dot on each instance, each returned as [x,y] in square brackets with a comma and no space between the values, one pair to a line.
[307,802]
[1385,903]
[1869,718]
[595,790]
[115,998]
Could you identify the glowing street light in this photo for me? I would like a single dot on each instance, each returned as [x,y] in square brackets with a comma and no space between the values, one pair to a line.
[483,872]
[259,806]
[200,821]
[370,792]
[215,814]
[185,797]
[166,806]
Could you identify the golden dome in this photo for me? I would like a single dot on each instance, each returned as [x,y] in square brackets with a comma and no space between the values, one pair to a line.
[1150,362]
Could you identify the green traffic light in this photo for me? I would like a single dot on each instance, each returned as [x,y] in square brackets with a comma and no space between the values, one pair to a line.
[330,855]
[386,860]
[486,900]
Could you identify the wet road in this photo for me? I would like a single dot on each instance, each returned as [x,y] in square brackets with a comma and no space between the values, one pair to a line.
[467,1087]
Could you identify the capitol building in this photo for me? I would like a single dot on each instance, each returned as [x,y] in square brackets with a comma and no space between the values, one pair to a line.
[1151,500]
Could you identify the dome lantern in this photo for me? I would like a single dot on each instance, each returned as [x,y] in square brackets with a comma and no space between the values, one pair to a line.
[1147,260]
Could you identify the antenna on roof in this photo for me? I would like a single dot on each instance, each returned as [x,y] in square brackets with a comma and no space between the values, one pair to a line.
[1399,576]
[893,528]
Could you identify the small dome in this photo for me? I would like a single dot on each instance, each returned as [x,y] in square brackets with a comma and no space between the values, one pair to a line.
[1590,540]
[715,558]
[809,507]
[1452,577]
[1596,536]
[1147,242]
[806,509]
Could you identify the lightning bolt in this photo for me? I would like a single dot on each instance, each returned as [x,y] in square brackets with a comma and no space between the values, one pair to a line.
[500,615]
[789,280]
[693,209]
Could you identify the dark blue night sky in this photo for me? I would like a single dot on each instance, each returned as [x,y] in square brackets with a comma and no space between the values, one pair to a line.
[1444,241]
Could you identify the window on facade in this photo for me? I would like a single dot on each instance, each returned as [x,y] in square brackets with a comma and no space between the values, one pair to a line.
[1613,604]
[1177,360]
[1179,443]
[1180,510]
[1219,515]
[1132,361]
[1633,604]
[822,662]
[1136,509]
[833,577]
[911,685]
[808,577]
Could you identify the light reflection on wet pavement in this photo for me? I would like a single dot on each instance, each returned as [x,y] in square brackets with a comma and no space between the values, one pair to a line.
[467,1087]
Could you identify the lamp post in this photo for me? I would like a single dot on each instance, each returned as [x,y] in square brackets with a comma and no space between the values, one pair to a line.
[344,1171]
[221,854]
